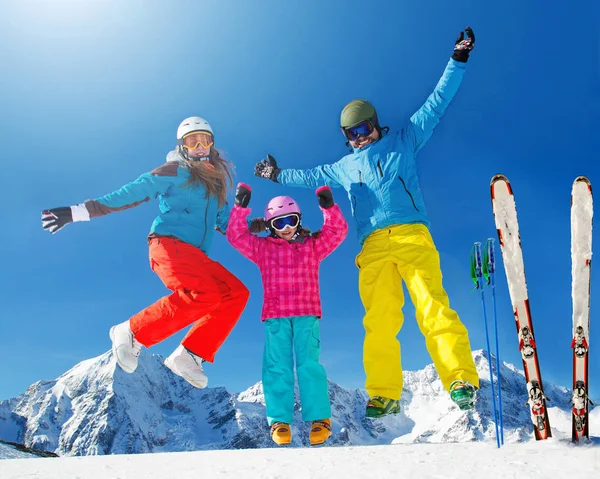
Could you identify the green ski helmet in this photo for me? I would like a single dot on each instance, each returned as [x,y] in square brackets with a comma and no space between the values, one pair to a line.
[358,111]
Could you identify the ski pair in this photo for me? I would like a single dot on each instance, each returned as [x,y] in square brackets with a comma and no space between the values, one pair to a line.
[505,215]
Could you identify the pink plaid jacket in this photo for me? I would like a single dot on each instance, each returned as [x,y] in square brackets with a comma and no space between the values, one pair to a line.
[289,270]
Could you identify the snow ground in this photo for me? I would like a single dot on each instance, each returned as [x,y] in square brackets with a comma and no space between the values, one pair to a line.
[548,459]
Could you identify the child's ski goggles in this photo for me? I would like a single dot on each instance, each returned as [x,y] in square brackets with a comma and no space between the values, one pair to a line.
[193,140]
[364,128]
[289,221]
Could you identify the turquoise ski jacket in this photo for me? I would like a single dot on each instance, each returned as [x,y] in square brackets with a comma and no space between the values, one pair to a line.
[381,178]
[186,212]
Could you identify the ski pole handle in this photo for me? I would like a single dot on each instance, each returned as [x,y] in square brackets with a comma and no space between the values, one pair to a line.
[491,256]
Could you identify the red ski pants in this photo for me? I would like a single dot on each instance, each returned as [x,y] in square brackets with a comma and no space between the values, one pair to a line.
[204,293]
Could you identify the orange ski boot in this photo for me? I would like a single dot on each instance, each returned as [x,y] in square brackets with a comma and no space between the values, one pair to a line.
[281,433]
[320,432]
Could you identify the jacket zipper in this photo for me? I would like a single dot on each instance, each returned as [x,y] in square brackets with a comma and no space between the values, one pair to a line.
[205,221]
[377,190]
[409,193]
[354,208]
[359,178]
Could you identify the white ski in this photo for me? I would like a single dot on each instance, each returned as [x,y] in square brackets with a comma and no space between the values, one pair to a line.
[581,257]
[505,215]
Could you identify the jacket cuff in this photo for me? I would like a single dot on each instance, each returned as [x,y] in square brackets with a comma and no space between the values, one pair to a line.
[80,213]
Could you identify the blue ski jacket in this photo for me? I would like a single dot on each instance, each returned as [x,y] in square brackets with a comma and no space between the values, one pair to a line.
[381,178]
[186,212]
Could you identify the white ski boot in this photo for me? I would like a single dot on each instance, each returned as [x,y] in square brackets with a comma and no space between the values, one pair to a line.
[126,349]
[186,364]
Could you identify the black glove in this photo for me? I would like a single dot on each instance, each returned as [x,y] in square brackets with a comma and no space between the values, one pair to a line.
[242,195]
[56,218]
[463,47]
[325,197]
[267,169]
[257,225]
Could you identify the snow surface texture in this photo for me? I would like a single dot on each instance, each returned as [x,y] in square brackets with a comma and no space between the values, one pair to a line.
[535,460]
[97,409]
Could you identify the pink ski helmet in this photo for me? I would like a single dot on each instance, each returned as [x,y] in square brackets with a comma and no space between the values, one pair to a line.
[281,206]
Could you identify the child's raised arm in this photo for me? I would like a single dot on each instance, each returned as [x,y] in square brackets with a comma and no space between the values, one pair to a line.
[238,233]
[334,228]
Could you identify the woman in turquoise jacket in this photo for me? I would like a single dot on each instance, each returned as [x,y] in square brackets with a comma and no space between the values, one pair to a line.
[191,189]
[380,177]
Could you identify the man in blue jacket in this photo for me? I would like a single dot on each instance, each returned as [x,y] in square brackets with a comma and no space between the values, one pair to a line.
[380,177]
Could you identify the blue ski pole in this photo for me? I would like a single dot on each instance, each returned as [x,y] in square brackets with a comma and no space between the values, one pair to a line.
[491,276]
[477,276]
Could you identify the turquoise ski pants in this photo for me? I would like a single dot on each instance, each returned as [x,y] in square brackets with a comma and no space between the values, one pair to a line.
[283,337]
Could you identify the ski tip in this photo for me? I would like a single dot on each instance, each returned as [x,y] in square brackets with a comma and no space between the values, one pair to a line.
[498,177]
[584,180]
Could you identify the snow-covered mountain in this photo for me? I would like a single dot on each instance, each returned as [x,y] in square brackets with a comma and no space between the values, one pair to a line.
[95,409]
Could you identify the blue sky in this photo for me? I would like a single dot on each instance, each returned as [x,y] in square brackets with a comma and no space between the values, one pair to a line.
[91,94]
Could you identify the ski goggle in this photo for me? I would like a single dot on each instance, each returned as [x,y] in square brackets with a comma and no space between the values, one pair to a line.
[364,128]
[289,221]
[193,140]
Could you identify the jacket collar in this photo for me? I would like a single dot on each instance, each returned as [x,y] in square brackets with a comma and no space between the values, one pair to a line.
[173,155]
[297,238]
[382,135]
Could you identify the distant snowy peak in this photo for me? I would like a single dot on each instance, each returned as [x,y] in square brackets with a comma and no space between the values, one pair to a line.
[96,408]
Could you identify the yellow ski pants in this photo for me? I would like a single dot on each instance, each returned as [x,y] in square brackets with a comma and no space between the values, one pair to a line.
[388,256]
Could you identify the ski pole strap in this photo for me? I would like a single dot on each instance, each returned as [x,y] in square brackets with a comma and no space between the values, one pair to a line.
[472,267]
[476,273]
[486,265]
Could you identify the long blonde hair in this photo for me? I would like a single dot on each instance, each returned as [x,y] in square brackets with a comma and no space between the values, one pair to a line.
[215,179]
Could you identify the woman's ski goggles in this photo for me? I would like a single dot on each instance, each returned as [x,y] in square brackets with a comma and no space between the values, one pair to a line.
[364,128]
[289,221]
[193,140]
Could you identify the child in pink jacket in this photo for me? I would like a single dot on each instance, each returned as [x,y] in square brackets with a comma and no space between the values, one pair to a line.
[289,260]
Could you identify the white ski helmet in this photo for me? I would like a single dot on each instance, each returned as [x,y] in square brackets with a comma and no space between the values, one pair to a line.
[193,123]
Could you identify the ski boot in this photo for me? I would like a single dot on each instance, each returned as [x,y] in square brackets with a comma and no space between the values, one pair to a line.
[186,364]
[379,406]
[125,348]
[320,431]
[281,433]
[463,395]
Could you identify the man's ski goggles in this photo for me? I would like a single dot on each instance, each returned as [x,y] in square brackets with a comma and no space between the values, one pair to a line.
[364,128]
[288,221]
[193,140]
